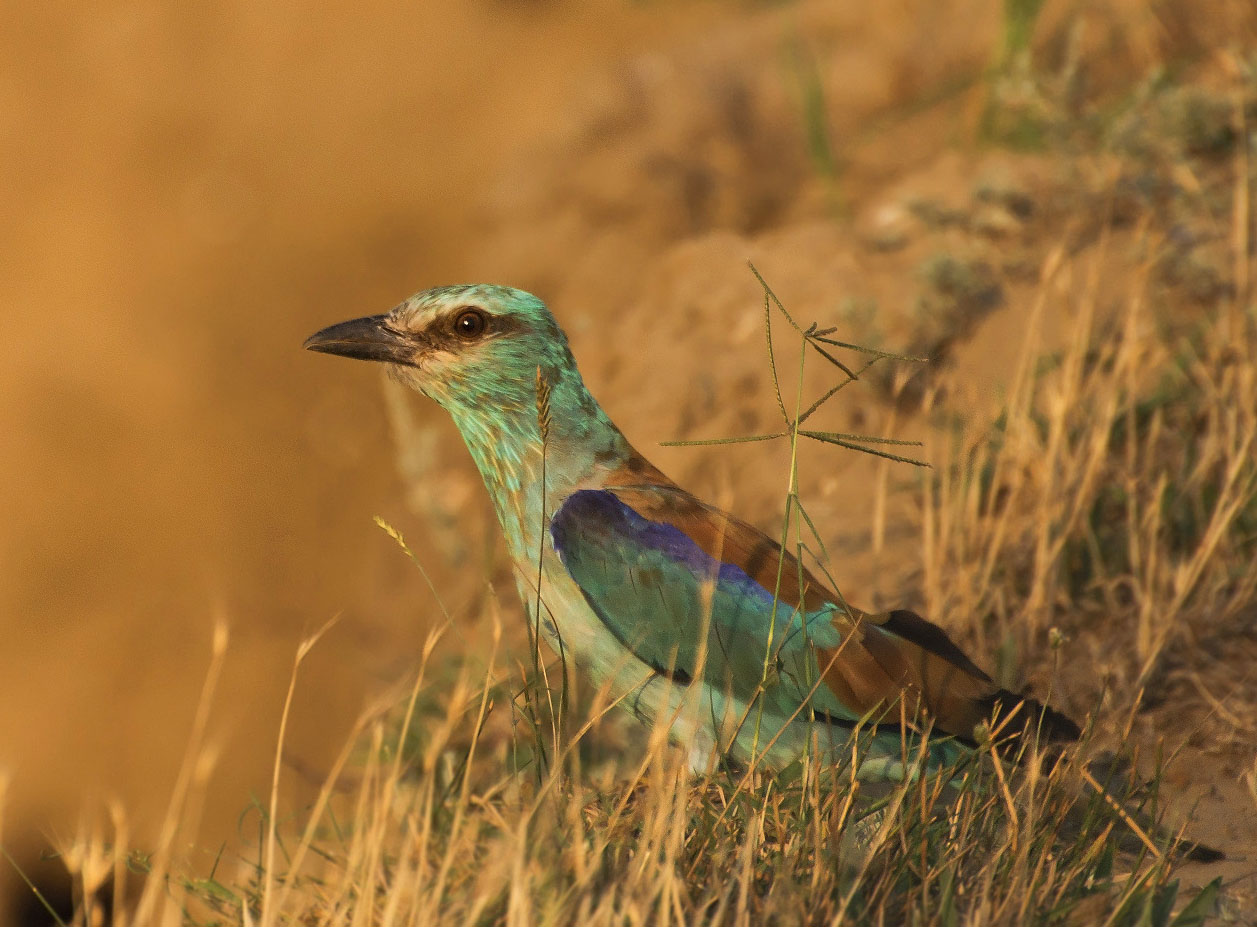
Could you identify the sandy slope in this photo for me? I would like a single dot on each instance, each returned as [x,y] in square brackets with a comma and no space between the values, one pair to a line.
[196,195]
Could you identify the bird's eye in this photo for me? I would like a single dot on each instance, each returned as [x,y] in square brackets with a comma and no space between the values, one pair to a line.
[469,324]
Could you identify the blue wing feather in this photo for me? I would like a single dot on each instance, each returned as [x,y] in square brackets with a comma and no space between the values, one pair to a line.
[665,597]
[645,580]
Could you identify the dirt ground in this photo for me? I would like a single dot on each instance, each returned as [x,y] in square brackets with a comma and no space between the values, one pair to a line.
[190,194]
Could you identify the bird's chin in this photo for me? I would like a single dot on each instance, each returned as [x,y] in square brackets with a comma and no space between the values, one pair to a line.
[409,374]
[413,376]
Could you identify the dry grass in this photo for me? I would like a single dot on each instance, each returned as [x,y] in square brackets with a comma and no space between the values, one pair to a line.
[1113,500]
[409,844]
[1121,481]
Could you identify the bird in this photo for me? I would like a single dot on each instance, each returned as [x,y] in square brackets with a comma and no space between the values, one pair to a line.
[685,614]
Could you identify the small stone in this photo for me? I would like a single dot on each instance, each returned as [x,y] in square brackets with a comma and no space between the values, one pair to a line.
[888,227]
[995,221]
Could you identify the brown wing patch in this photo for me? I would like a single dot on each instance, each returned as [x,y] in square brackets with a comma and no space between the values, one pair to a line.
[881,673]
[637,472]
[725,538]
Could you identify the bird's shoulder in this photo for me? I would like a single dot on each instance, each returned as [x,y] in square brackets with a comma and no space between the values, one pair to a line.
[722,536]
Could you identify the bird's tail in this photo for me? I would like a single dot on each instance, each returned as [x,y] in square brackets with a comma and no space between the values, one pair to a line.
[1103,778]
[1016,718]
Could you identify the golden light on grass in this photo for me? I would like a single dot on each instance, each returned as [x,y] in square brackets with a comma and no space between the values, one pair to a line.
[461,829]
[1093,529]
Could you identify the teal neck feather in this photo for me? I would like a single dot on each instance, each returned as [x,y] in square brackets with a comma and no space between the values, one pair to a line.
[507,446]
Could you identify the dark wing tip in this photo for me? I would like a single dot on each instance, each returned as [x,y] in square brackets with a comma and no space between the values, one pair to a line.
[1035,718]
[1203,853]
[930,637]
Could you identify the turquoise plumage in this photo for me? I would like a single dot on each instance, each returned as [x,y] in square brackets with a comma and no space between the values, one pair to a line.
[694,617]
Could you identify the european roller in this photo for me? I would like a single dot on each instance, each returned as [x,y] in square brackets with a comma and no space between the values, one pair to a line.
[689,616]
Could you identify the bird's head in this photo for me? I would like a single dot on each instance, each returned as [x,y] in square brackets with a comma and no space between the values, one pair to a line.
[471,348]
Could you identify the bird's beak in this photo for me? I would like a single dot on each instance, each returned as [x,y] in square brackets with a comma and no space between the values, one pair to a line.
[369,338]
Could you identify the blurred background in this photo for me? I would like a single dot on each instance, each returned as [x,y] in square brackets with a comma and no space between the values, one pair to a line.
[190,191]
